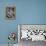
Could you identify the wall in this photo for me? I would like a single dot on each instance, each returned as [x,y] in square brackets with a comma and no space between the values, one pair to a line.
[31,11]
[6,26]
[27,12]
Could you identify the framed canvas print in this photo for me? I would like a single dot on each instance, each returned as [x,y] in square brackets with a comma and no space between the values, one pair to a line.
[32,32]
[29,33]
[11,13]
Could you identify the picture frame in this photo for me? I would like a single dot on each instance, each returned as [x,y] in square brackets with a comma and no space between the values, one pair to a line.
[10,12]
